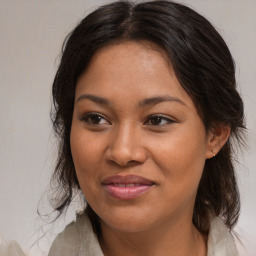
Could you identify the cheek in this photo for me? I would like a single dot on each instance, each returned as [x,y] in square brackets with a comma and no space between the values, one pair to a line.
[86,146]
[181,157]
[182,152]
[86,159]
[87,155]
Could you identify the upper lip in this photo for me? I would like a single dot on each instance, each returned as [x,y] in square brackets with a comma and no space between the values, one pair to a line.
[127,179]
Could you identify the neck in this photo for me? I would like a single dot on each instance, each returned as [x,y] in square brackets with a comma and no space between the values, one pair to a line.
[172,239]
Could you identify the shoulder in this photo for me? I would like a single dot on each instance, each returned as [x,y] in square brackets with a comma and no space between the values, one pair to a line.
[77,239]
[68,242]
[220,239]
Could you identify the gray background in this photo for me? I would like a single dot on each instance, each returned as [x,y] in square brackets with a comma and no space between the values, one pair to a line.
[31,34]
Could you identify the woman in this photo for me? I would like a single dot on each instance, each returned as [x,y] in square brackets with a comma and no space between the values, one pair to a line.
[146,111]
[146,108]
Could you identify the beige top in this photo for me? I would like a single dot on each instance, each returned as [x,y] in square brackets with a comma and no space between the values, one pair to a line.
[78,239]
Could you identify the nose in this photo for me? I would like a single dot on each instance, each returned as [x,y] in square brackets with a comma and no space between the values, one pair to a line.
[126,148]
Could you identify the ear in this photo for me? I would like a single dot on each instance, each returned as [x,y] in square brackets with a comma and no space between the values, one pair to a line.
[217,137]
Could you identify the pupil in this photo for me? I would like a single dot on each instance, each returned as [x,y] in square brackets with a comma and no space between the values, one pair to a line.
[95,119]
[156,120]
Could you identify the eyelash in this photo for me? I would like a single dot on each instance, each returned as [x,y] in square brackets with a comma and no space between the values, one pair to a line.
[161,117]
[88,119]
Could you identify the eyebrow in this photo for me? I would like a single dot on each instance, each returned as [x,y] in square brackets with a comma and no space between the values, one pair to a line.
[160,99]
[149,101]
[96,99]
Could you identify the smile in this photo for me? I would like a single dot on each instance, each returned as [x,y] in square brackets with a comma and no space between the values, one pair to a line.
[127,187]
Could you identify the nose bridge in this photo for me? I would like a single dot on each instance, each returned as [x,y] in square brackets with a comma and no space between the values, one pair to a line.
[124,140]
[125,145]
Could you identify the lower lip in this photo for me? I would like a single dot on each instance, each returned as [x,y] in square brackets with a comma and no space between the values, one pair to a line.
[126,193]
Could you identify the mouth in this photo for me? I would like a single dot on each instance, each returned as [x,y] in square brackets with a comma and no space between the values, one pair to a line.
[127,187]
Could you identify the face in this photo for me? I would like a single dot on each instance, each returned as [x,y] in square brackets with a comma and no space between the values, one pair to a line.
[137,141]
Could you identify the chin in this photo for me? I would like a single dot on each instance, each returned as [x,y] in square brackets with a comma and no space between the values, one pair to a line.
[128,220]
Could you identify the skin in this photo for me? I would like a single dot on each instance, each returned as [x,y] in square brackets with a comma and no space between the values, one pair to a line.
[121,137]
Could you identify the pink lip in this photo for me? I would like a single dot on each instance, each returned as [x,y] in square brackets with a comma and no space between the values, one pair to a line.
[127,187]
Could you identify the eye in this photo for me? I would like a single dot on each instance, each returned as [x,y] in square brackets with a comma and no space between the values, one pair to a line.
[158,120]
[94,119]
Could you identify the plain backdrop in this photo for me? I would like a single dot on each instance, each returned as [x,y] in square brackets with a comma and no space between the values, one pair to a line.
[31,35]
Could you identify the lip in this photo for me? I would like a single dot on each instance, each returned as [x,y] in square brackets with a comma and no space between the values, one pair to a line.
[127,187]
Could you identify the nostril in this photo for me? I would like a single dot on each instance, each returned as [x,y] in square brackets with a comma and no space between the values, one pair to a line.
[133,163]
[130,163]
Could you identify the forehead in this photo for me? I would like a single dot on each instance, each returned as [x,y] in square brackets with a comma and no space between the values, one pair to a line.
[144,53]
[128,69]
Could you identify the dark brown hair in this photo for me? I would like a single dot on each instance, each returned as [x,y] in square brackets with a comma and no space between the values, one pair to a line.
[204,67]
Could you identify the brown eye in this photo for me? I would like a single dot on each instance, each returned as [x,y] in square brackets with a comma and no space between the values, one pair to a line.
[158,120]
[94,119]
